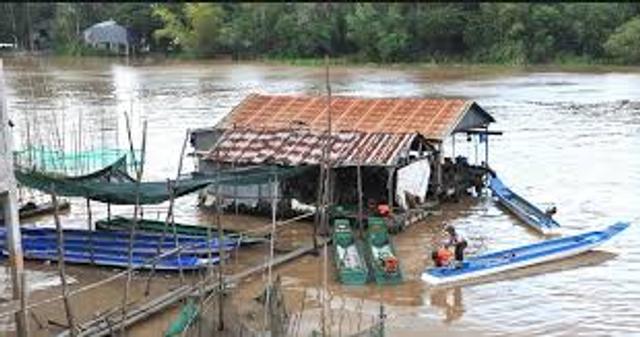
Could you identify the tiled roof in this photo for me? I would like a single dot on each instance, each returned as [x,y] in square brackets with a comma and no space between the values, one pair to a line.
[298,147]
[432,118]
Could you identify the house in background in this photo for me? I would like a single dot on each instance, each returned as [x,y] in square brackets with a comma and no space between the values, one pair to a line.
[110,36]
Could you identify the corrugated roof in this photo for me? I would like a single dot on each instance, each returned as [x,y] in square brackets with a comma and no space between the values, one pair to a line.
[299,147]
[432,118]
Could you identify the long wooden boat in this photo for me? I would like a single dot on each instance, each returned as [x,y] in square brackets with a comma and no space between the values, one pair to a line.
[384,262]
[504,260]
[119,223]
[122,261]
[117,242]
[352,267]
[521,208]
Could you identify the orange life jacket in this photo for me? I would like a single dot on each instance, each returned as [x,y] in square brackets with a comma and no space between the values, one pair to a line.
[384,209]
[390,264]
[443,257]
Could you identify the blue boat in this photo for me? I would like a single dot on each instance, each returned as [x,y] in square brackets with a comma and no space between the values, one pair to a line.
[521,208]
[169,263]
[116,242]
[519,257]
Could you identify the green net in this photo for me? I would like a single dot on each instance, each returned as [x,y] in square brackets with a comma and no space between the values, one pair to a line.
[72,163]
[113,185]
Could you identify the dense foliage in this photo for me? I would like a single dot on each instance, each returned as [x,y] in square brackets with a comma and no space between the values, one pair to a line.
[376,32]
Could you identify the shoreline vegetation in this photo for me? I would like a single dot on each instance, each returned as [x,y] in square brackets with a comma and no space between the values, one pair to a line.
[573,35]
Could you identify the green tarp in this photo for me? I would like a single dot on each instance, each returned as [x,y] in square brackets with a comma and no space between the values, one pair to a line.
[113,185]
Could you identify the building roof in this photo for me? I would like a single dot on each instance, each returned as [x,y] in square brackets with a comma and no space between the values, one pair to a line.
[434,119]
[107,31]
[305,147]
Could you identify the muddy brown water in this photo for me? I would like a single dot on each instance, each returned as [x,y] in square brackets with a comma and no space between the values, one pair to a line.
[571,139]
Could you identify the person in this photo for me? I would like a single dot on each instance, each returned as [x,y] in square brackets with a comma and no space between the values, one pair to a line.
[441,257]
[457,241]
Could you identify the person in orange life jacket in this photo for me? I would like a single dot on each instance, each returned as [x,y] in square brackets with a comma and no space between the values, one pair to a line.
[457,241]
[441,257]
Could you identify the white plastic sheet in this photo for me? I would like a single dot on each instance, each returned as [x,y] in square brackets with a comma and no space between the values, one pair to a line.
[413,179]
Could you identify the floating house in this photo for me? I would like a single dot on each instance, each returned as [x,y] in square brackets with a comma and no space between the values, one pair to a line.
[395,144]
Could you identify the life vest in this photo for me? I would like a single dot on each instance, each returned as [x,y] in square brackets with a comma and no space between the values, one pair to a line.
[390,264]
[443,257]
[383,209]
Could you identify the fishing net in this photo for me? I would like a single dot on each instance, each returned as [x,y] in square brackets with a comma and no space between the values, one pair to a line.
[72,163]
[114,185]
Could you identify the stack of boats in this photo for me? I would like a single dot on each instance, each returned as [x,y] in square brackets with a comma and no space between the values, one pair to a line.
[162,250]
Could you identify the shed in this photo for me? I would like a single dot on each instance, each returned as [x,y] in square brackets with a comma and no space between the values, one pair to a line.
[394,138]
[109,35]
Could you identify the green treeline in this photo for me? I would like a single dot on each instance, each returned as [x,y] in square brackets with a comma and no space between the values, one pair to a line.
[515,33]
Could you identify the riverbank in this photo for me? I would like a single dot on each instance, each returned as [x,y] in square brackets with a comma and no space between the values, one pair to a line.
[450,68]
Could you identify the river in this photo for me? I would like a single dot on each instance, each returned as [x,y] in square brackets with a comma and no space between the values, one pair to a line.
[571,139]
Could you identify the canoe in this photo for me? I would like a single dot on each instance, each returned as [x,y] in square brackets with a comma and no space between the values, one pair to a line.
[120,223]
[521,208]
[352,267]
[382,256]
[527,255]
[167,263]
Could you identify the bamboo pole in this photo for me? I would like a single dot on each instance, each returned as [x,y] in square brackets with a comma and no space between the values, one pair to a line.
[90,228]
[360,196]
[274,209]
[132,230]
[10,206]
[221,252]
[171,187]
[61,265]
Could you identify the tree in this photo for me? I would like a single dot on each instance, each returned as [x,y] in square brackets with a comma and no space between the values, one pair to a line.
[379,32]
[195,27]
[624,45]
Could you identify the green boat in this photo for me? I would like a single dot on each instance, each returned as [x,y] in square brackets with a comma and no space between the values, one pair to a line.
[187,315]
[118,223]
[384,261]
[352,268]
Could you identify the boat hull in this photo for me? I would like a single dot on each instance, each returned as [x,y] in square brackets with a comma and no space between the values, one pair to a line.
[519,257]
[522,209]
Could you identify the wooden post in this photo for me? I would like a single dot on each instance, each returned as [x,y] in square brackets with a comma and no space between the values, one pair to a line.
[438,169]
[274,207]
[221,252]
[391,171]
[61,271]
[453,145]
[10,206]
[90,228]
[132,230]
[486,147]
[360,201]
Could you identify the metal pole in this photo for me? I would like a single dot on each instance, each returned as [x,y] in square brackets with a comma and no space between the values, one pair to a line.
[9,204]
